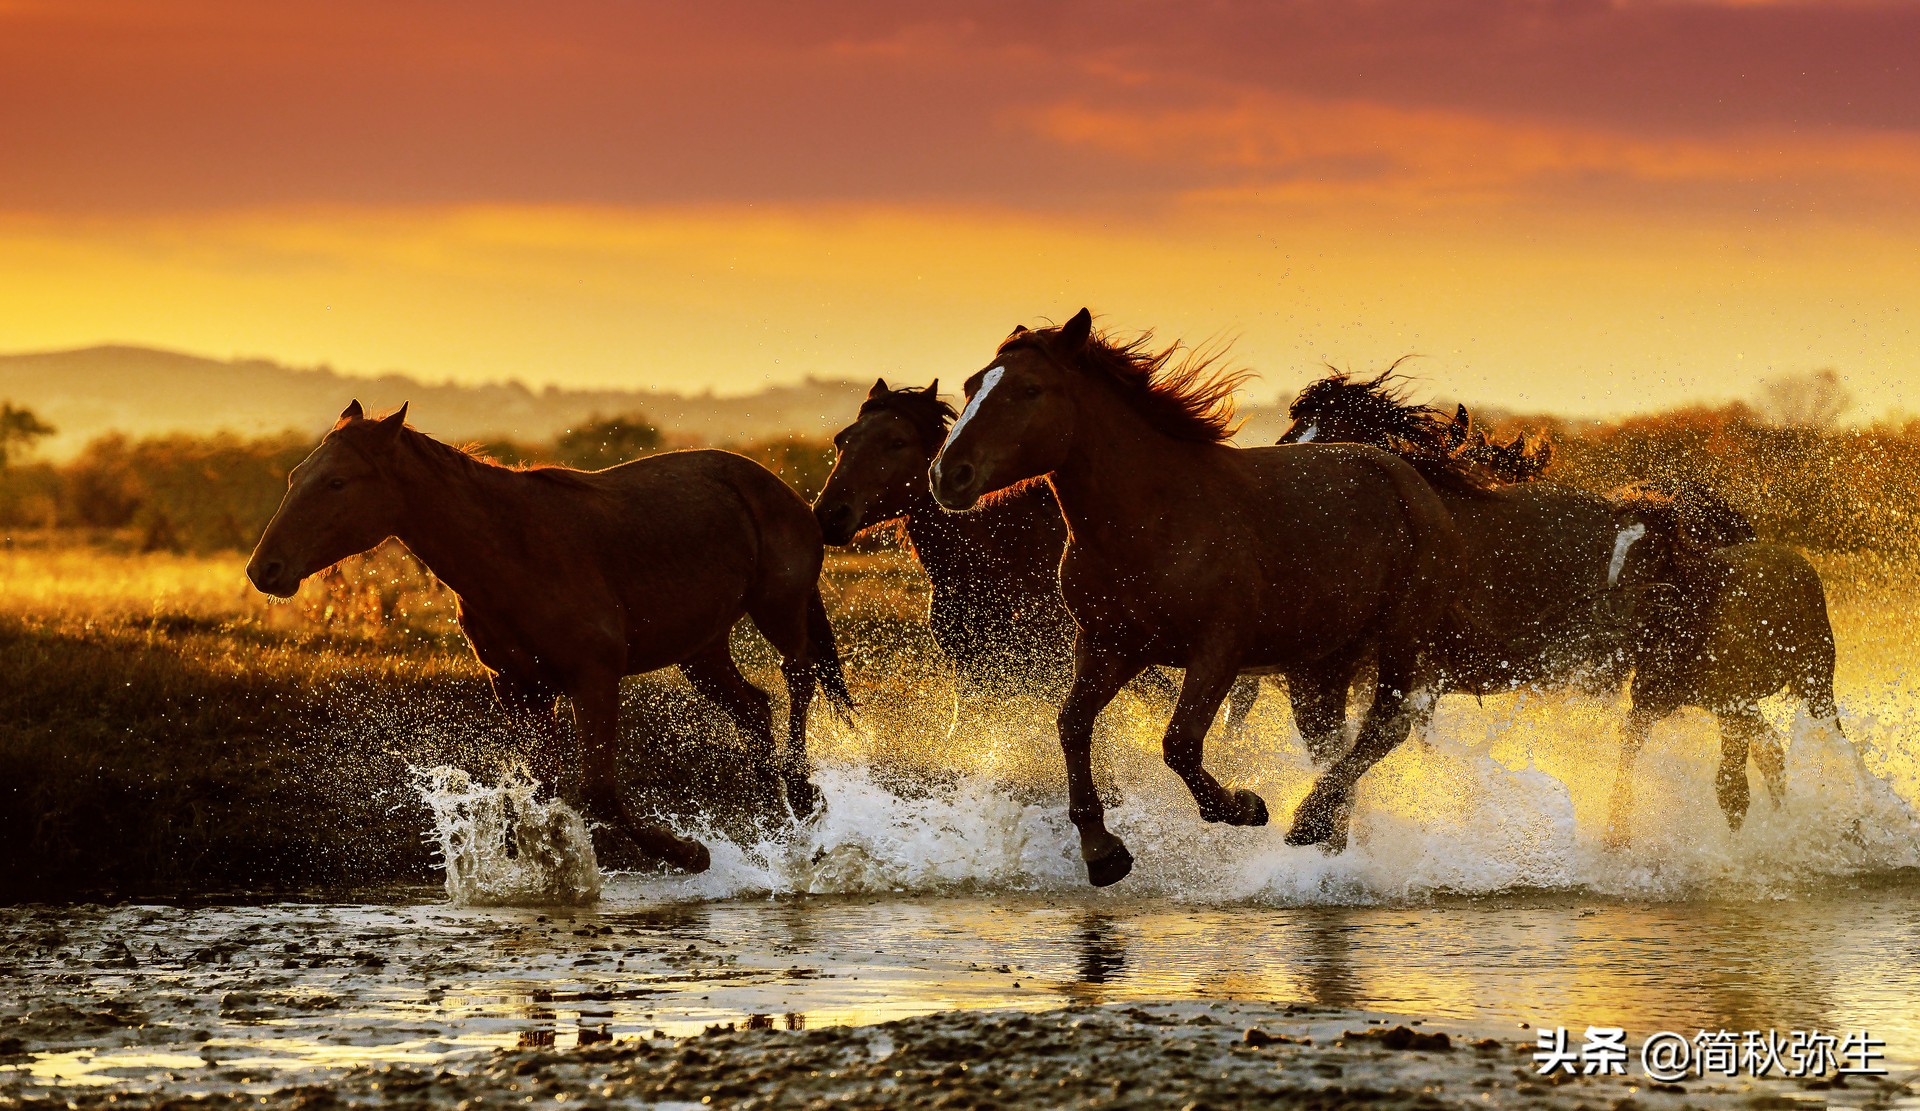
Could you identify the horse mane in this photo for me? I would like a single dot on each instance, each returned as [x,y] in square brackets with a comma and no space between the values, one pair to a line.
[455,461]
[1181,391]
[1444,448]
[1694,517]
[921,406]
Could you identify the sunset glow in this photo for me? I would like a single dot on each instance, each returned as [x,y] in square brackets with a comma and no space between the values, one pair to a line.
[1591,208]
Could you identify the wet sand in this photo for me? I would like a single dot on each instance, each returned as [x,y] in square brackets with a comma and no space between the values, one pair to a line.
[952,1001]
[1184,1056]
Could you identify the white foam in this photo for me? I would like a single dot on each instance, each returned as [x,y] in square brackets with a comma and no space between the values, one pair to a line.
[502,845]
[1508,796]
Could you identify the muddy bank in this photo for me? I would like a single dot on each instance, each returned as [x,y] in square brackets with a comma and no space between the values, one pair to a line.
[1157,1056]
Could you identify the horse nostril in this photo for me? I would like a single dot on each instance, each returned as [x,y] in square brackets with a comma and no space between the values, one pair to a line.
[961,476]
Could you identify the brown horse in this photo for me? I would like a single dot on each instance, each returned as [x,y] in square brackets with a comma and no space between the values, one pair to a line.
[569,580]
[996,610]
[1713,618]
[1721,628]
[1540,557]
[1186,552]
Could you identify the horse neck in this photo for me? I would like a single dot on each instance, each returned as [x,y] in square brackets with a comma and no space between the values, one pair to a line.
[454,508]
[944,542]
[1118,468]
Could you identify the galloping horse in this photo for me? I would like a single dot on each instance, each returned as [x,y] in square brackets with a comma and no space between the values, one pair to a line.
[1541,558]
[569,580]
[1186,552]
[996,609]
[1716,618]
[1723,627]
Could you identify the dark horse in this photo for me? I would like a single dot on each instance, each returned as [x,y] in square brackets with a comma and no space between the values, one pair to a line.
[569,580]
[996,610]
[1714,618]
[1186,552]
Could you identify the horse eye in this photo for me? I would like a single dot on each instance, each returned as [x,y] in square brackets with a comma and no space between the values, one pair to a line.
[897,445]
[336,484]
[1034,391]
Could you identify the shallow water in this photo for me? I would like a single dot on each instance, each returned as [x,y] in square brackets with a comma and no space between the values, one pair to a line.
[942,874]
[225,997]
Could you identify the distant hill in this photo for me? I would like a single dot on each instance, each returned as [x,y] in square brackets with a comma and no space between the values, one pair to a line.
[144,391]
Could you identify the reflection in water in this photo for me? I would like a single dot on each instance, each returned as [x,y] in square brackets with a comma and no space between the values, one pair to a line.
[1327,969]
[1103,951]
[453,980]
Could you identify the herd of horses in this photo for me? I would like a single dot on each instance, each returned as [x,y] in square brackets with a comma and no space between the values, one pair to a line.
[1085,525]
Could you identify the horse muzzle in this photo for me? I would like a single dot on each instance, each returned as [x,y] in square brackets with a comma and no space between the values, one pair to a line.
[956,485]
[273,576]
[838,522]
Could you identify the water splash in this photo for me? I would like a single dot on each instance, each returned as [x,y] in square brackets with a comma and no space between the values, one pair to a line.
[1509,795]
[502,845]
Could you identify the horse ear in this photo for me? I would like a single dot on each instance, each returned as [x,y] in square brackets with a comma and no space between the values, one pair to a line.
[353,411]
[933,388]
[1018,330]
[1075,333]
[879,389]
[387,428]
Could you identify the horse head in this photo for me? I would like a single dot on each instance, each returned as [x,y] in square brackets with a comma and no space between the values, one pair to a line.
[340,501]
[1018,423]
[881,459]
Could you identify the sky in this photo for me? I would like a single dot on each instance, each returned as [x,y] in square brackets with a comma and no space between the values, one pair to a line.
[1583,206]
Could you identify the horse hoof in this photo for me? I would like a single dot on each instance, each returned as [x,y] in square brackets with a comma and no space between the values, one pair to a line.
[803,798]
[1311,829]
[1252,809]
[691,857]
[1111,868]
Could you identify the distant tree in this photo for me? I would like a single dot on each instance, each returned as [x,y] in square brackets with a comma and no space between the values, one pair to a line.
[19,429]
[1813,400]
[606,441]
[804,463]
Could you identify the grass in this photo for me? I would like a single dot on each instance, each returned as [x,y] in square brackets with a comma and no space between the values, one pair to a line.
[166,730]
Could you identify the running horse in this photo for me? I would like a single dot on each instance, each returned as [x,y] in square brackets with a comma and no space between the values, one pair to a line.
[1714,617]
[569,580]
[995,609]
[1186,552]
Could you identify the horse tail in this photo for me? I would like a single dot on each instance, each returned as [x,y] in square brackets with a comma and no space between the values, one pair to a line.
[826,657]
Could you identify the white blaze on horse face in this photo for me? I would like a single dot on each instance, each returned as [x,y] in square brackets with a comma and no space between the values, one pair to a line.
[1307,436]
[987,383]
[1622,543]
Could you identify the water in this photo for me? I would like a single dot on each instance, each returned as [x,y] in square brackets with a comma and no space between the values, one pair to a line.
[943,874]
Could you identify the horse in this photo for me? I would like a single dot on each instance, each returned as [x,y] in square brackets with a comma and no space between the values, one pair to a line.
[1541,557]
[1186,552]
[996,610]
[1714,617]
[569,580]
[1721,627]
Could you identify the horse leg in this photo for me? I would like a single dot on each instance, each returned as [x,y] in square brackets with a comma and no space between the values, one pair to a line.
[1097,678]
[1633,738]
[1767,750]
[714,675]
[802,796]
[1320,713]
[596,716]
[1323,815]
[1185,745]
[1738,730]
[530,709]
[785,622]
[1240,699]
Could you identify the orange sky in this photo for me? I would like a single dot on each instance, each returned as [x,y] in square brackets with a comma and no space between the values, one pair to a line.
[1569,204]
